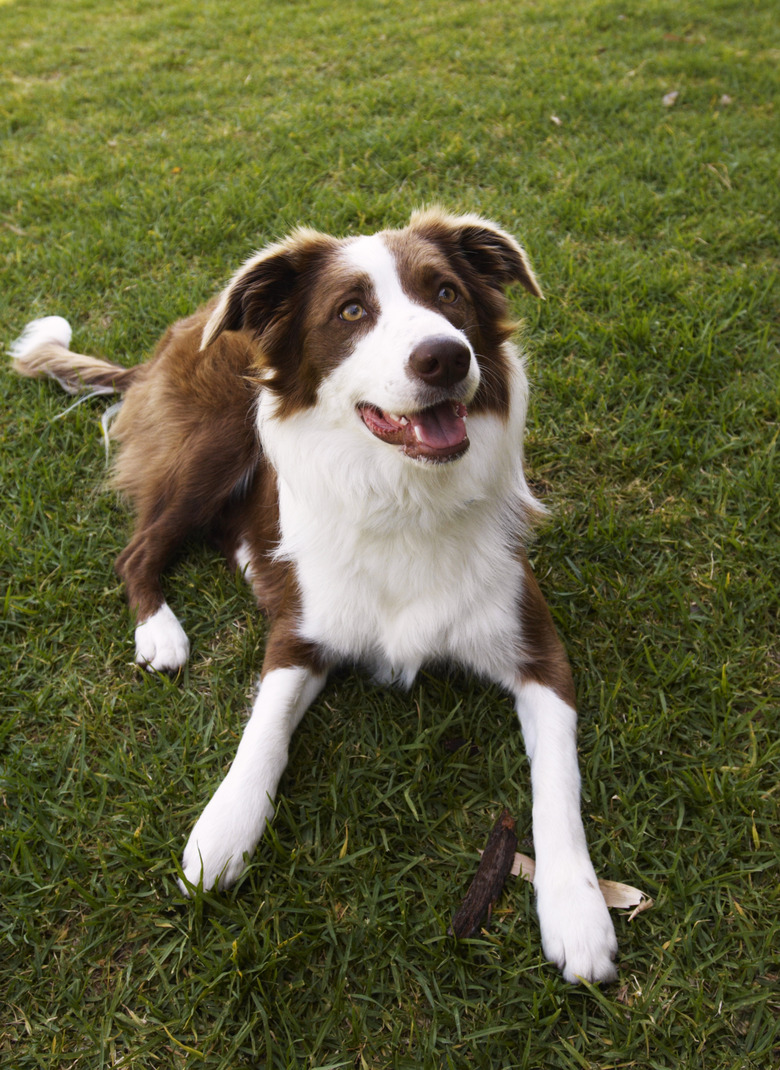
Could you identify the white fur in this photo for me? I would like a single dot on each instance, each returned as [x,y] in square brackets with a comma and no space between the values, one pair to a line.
[38,333]
[235,818]
[394,584]
[577,932]
[161,644]
[244,561]
[378,364]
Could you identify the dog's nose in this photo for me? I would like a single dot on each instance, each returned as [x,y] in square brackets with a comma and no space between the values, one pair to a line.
[440,361]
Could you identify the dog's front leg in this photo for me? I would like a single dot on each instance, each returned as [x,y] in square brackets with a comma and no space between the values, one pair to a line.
[577,932]
[235,818]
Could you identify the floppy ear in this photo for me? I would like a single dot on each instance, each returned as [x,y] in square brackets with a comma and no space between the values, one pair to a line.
[490,251]
[261,296]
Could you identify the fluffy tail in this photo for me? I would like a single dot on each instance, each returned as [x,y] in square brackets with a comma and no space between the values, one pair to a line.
[42,350]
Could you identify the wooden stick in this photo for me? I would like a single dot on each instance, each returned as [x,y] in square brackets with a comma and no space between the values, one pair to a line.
[493,869]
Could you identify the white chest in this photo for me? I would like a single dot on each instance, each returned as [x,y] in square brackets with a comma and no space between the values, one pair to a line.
[403,596]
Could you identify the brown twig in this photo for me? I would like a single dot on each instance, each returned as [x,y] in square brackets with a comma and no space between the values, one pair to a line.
[488,882]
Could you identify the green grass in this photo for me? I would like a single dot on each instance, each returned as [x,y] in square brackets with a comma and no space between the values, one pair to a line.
[146,148]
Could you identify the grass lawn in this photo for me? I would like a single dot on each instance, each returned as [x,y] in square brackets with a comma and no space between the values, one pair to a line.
[147,148]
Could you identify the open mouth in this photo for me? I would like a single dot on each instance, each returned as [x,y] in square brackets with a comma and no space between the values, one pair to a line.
[437,433]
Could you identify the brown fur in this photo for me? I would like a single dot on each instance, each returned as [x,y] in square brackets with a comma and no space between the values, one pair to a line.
[543,657]
[487,262]
[273,298]
[189,451]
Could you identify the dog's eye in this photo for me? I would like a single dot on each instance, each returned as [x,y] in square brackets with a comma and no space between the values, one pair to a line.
[352,312]
[448,295]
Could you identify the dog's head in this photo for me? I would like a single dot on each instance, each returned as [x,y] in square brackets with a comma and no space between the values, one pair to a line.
[401,332]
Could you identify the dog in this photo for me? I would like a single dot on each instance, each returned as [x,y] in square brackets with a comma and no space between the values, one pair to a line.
[345,420]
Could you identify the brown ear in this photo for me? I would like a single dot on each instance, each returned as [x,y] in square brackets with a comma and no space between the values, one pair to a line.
[490,251]
[261,295]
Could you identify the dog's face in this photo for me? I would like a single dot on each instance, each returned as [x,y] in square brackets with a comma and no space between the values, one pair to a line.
[407,367]
[398,335]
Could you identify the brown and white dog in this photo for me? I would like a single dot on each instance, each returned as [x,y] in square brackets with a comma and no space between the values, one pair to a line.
[313,421]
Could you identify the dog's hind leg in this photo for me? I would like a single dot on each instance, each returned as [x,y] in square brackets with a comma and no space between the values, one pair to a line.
[177,504]
[187,452]
[43,350]
[161,643]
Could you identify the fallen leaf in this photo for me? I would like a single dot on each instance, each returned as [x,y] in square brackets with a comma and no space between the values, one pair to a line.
[670,98]
[620,896]
[725,100]
[556,120]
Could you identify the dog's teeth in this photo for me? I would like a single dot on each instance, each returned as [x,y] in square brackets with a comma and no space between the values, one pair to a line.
[418,433]
[403,421]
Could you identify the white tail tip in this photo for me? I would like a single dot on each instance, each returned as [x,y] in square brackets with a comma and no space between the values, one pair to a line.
[39,332]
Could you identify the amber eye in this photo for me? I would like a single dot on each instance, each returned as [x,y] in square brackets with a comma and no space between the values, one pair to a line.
[352,312]
[447,295]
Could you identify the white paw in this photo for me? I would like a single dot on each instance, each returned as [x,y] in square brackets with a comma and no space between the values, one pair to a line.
[229,827]
[161,644]
[577,931]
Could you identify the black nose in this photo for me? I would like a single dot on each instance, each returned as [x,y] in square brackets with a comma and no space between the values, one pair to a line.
[440,361]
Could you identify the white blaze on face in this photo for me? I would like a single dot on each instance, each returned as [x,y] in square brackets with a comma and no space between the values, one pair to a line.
[377,370]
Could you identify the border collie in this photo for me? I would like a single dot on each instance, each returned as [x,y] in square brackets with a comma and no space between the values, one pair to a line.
[346,421]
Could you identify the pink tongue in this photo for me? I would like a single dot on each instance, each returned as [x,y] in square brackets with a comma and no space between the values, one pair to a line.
[438,427]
